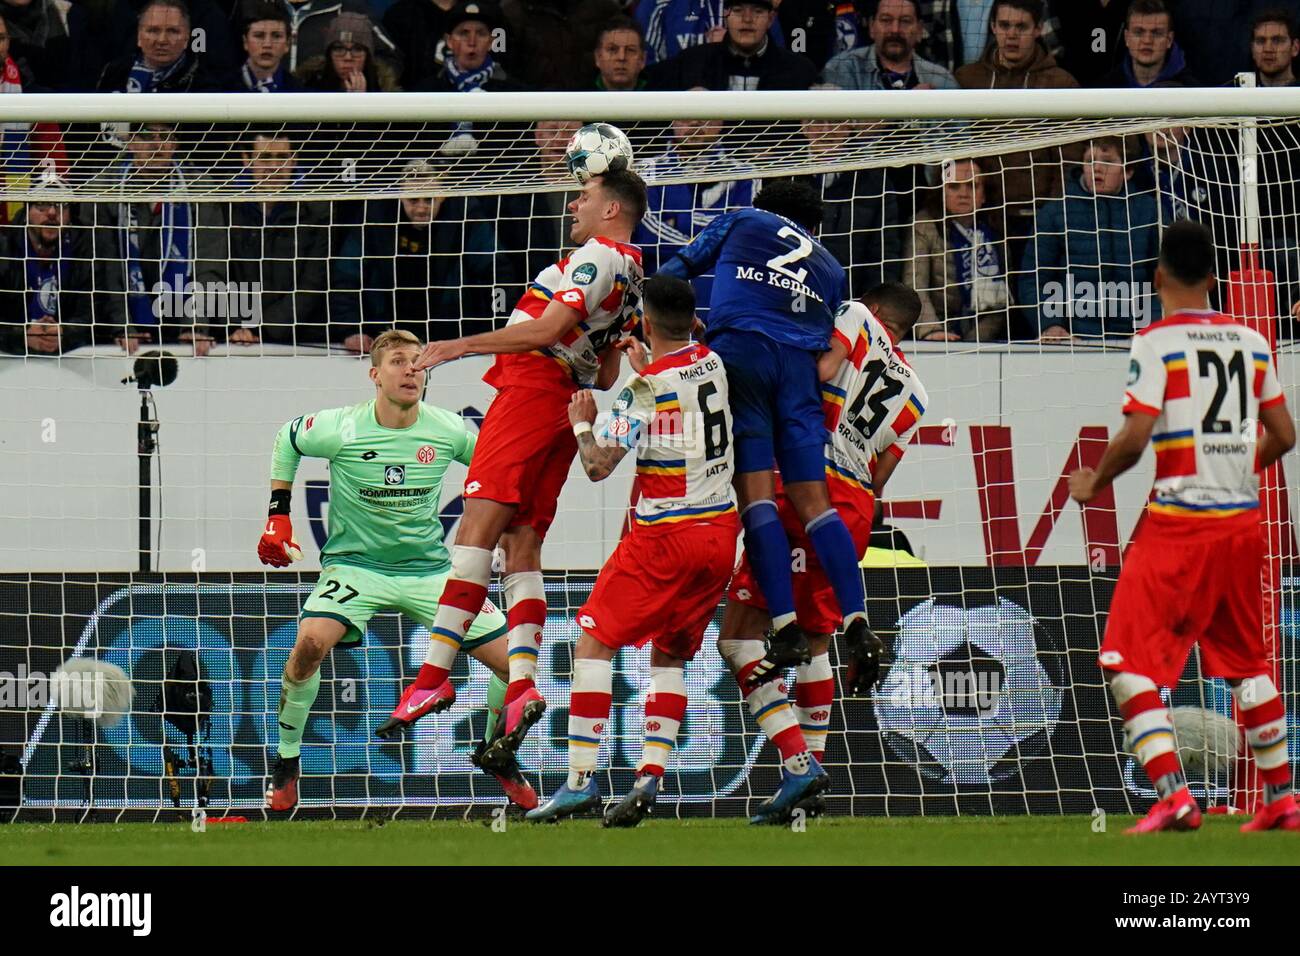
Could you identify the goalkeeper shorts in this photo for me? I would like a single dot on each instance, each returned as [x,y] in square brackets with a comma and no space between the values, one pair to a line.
[353,595]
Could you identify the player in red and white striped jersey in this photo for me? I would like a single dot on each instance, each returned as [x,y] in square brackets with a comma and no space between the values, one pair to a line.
[559,340]
[665,579]
[1200,385]
[873,402]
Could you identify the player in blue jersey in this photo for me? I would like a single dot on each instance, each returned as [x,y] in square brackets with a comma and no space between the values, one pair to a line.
[771,314]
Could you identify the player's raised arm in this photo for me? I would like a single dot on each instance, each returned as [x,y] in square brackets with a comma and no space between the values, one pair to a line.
[700,255]
[310,436]
[542,332]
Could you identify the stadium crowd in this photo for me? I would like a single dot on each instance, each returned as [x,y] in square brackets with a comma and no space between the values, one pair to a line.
[991,244]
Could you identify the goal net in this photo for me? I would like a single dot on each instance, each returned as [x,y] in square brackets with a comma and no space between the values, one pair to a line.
[263,247]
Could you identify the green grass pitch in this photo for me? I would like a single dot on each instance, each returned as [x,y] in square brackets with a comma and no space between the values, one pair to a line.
[897,841]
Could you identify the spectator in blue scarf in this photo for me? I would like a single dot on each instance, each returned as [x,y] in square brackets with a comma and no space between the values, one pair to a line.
[153,255]
[473,31]
[45,282]
[958,263]
[266,43]
[163,61]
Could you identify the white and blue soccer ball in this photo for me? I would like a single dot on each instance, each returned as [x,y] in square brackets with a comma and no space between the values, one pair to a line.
[967,696]
[596,149]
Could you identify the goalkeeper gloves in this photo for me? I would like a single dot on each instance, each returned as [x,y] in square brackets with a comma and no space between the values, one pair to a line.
[277,547]
[866,655]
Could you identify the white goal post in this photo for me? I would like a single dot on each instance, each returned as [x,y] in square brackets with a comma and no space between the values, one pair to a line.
[926,126]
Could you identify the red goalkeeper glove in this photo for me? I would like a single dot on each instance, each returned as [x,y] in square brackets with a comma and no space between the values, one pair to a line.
[277,547]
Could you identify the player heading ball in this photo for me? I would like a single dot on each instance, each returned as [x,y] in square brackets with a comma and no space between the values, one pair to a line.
[1198,383]
[559,339]
[771,314]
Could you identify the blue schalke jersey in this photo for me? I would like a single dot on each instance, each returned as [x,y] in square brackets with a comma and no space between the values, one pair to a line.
[770,277]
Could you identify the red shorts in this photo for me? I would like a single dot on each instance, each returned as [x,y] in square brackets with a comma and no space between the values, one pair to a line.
[524,451]
[1188,580]
[662,585]
[814,598]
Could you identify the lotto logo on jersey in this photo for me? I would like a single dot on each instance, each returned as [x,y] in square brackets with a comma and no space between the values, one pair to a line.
[587,621]
[426,454]
[1111,659]
[571,297]
[394,475]
[472,487]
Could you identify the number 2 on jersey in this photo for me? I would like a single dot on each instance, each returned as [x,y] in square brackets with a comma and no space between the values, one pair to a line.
[802,250]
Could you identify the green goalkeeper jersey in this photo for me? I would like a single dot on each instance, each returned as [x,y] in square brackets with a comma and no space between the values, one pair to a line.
[385,483]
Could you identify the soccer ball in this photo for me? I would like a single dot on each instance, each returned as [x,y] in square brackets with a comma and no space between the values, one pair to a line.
[966,693]
[596,149]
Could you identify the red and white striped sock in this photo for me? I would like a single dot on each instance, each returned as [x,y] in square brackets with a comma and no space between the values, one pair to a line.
[462,600]
[1263,715]
[1150,731]
[813,695]
[665,709]
[589,702]
[525,596]
[769,703]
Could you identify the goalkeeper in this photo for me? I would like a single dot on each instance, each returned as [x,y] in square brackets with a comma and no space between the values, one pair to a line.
[387,459]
